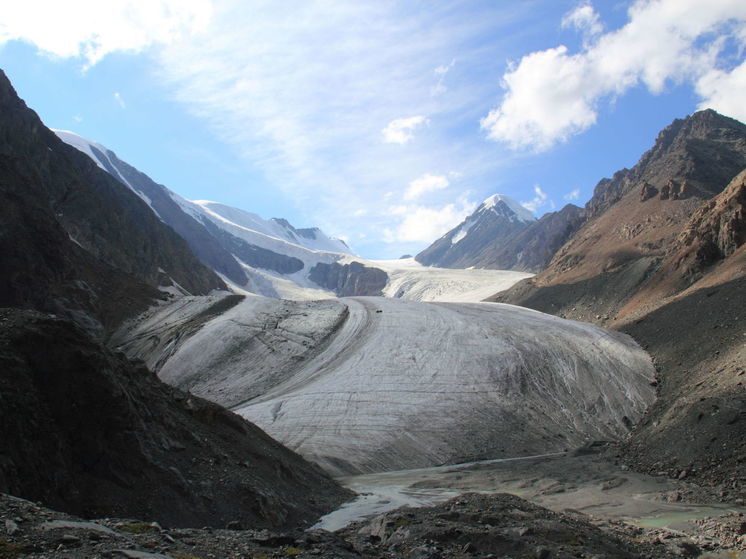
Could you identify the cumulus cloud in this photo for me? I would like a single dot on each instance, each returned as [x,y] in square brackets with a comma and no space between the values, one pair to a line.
[553,94]
[401,130]
[539,200]
[91,29]
[724,91]
[423,224]
[572,195]
[423,184]
[585,19]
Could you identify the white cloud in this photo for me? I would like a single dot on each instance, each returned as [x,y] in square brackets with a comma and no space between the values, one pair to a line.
[423,224]
[553,94]
[585,19]
[572,195]
[539,200]
[423,184]
[120,101]
[441,72]
[401,130]
[724,91]
[307,111]
[91,29]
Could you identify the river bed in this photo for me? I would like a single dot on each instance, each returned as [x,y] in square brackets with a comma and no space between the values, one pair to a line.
[562,481]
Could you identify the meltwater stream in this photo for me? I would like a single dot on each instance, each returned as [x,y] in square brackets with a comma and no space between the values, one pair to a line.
[557,481]
[385,491]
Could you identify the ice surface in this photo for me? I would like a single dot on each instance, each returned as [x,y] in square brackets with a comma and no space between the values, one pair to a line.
[408,279]
[373,384]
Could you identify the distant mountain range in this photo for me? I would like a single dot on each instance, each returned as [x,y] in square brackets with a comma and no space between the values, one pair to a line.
[270,257]
[503,235]
[264,256]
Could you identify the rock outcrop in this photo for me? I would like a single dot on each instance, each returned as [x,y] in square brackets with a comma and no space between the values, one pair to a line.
[349,279]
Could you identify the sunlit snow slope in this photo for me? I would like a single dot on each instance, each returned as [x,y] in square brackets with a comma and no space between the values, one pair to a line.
[408,279]
[370,384]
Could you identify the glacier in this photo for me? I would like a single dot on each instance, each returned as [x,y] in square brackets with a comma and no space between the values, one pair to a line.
[369,384]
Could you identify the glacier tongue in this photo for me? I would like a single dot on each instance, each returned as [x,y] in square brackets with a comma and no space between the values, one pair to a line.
[372,384]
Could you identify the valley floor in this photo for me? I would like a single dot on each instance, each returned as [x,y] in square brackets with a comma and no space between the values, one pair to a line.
[570,505]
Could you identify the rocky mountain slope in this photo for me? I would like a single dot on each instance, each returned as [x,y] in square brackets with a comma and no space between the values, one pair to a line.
[661,257]
[371,384]
[204,245]
[495,221]
[634,219]
[503,235]
[71,234]
[531,249]
[84,429]
[267,257]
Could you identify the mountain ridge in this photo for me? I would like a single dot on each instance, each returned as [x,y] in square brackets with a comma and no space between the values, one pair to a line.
[82,427]
[661,257]
[262,256]
[98,237]
[497,219]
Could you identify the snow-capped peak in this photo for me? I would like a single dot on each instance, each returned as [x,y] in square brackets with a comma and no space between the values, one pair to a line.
[521,213]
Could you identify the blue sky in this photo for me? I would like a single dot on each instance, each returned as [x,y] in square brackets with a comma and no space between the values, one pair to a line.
[383,122]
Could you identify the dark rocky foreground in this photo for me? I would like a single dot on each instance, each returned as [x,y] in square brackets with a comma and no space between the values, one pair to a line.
[468,526]
[87,431]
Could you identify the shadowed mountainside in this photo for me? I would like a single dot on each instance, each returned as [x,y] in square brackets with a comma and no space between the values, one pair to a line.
[86,431]
[76,241]
[81,428]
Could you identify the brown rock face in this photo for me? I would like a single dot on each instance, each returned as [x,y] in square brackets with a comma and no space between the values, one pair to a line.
[647,192]
[635,218]
[662,257]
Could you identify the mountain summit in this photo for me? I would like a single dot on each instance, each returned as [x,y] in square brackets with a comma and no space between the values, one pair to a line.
[496,220]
